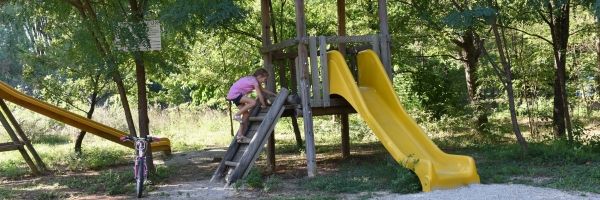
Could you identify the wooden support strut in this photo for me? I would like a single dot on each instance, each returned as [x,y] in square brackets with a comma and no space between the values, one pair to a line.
[306,108]
[21,133]
[314,71]
[385,38]
[16,144]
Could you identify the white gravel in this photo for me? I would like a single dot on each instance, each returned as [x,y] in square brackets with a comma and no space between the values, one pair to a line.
[203,190]
[495,191]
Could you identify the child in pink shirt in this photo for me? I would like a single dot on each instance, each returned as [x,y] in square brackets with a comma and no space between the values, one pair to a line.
[237,94]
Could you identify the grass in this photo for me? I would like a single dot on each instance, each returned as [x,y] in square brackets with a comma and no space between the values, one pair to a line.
[372,173]
[553,164]
[549,163]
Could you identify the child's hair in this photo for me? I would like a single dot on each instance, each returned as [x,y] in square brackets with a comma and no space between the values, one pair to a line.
[261,72]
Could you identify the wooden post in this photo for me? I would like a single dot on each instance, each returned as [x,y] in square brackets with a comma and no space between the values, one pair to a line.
[325,71]
[17,144]
[341,14]
[345,135]
[385,39]
[314,71]
[24,137]
[296,131]
[268,65]
[305,97]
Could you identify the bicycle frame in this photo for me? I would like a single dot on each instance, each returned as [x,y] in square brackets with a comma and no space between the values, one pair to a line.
[140,145]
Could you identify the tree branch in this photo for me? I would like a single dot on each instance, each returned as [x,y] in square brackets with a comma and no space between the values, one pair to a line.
[244,33]
[495,66]
[441,55]
[544,17]
[527,33]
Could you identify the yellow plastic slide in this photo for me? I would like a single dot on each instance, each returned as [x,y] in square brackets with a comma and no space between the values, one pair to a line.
[10,94]
[376,102]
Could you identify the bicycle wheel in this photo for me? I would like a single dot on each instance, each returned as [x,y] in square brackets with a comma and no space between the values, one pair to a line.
[141,168]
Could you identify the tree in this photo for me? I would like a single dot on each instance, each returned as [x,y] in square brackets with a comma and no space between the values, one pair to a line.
[508,76]
[556,15]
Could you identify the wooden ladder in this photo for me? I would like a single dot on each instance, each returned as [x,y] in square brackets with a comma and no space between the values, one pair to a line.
[241,156]
[19,140]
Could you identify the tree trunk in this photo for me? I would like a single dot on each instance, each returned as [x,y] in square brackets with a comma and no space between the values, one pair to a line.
[89,114]
[124,102]
[470,53]
[137,13]
[559,29]
[509,85]
[144,122]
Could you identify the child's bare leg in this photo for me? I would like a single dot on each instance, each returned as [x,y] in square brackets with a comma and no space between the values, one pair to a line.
[247,104]
[244,124]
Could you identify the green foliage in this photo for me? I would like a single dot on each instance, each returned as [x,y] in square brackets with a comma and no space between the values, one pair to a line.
[189,17]
[254,179]
[440,88]
[468,18]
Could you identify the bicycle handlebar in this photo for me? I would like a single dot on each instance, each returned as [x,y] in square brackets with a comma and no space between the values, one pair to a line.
[133,138]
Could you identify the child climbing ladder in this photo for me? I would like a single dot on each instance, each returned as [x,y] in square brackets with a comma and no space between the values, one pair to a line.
[241,154]
[237,94]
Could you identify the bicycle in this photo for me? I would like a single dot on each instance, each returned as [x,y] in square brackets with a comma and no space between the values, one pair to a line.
[140,170]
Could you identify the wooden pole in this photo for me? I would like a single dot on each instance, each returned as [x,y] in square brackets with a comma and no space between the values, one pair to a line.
[296,131]
[345,135]
[305,97]
[24,137]
[268,65]
[341,14]
[17,143]
[385,39]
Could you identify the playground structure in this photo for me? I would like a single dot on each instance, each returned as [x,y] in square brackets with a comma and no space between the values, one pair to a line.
[20,139]
[326,85]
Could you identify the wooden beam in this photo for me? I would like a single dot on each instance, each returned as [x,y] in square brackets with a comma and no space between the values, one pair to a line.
[341,15]
[314,68]
[9,146]
[385,39]
[266,41]
[18,145]
[280,55]
[23,136]
[271,165]
[268,65]
[306,109]
[296,130]
[325,71]
[345,136]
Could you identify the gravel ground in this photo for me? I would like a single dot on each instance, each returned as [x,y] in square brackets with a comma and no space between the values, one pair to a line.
[202,190]
[495,191]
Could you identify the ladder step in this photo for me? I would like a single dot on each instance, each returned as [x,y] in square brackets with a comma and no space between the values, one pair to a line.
[231,163]
[257,119]
[9,146]
[244,141]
